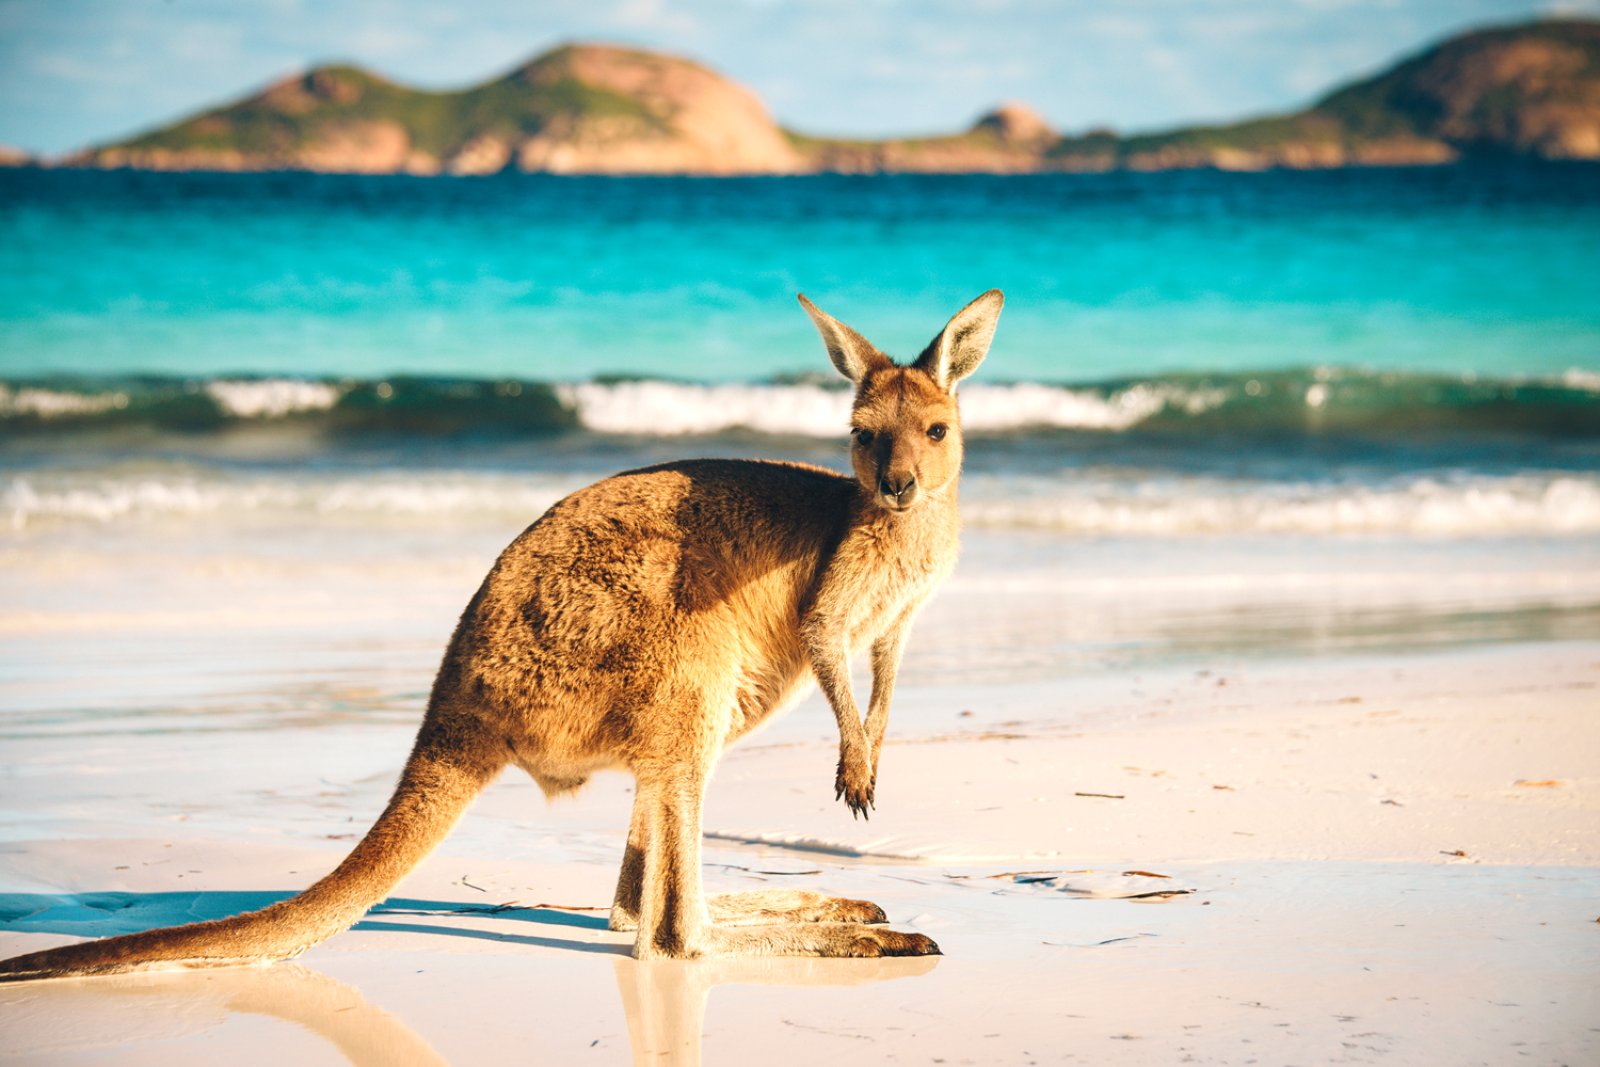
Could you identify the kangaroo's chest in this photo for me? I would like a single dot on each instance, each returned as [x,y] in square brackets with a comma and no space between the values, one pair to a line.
[886,593]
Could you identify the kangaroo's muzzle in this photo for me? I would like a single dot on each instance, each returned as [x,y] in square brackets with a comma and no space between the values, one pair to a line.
[897,491]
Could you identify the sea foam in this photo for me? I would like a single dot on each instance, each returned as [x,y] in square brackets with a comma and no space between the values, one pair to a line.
[1077,504]
[39,499]
[46,403]
[272,398]
[671,408]
[1421,506]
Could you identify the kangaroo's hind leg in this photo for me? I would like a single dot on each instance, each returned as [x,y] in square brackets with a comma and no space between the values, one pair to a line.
[751,907]
[630,881]
[674,916]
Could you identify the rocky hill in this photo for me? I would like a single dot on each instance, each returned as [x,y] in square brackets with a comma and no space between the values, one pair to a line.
[579,109]
[1530,90]
[1521,90]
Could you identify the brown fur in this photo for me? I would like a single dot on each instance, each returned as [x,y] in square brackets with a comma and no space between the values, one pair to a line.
[644,624]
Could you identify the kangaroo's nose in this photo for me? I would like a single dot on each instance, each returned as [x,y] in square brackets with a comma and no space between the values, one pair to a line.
[896,485]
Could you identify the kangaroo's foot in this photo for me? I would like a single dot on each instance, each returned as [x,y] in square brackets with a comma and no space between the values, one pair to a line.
[759,907]
[763,906]
[831,939]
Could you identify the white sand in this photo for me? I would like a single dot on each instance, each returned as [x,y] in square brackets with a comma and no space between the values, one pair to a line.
[1313,809]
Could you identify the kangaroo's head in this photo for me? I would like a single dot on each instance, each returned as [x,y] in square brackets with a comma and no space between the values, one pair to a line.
[905,423]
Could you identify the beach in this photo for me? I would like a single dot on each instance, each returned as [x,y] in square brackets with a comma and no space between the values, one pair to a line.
[1257,724]
[1335,847]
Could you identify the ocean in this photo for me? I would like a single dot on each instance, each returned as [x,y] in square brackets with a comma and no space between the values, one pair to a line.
[1408,351]
[1224,412]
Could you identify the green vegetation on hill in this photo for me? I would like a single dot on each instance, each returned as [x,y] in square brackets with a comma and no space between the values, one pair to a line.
[299,112]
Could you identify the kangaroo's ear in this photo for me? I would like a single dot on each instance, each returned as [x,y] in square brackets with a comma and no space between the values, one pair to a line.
[964,341]
[850,352]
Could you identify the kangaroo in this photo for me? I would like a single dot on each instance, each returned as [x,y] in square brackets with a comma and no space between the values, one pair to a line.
[645,623]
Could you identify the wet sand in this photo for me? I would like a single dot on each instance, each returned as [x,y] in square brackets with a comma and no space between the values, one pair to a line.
[1381,859]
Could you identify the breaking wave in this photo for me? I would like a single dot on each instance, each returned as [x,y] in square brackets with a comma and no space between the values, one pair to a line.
[1312,401]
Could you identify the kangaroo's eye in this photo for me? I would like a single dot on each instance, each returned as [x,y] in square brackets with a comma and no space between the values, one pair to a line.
[863,437]
[937,431]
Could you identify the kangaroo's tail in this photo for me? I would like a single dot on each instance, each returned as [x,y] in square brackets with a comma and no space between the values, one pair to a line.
[439,781]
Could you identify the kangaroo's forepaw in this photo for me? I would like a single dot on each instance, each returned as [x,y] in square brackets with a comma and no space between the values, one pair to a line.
[854,783]
[621,920]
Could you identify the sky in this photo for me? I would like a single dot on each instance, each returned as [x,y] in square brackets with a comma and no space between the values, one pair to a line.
[80,72]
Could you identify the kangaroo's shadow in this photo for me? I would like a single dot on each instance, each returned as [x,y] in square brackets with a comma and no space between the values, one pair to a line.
[111,913]
[664,1001]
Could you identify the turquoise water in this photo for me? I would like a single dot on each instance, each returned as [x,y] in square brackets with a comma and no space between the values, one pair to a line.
[1397,353]
[1484,270]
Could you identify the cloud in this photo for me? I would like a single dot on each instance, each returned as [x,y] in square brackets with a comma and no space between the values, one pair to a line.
[74,69]
[653,15]
[387,41]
